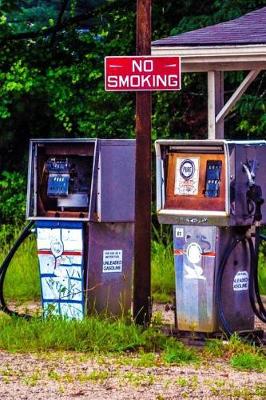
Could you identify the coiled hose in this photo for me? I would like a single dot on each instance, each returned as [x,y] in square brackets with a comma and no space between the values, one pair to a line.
[254,295]
[3,269]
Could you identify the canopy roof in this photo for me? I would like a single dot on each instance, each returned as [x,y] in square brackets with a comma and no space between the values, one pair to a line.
[238,44]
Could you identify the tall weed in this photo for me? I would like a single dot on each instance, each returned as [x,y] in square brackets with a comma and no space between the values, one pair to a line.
[162,272]
[89,335]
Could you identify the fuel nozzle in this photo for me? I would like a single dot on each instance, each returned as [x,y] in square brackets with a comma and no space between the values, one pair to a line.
[254,193]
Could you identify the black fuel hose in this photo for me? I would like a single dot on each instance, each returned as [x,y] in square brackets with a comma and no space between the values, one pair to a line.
[254,294]
[3,269]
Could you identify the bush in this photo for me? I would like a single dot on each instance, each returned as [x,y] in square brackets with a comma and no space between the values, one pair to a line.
[12,198]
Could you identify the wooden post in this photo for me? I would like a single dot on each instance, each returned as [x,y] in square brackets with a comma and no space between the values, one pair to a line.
[142,269]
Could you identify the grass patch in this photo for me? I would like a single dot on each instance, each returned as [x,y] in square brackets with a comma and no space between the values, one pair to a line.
[177,353]
[262,269]
[215,347]
[97,376]
[22,282]
[162,272]
[94,376]
[191,382]
[89,335]
[219,348]
[249,362]
[138,379]
[33,379]
[140,360]
[94,336]
[241,356]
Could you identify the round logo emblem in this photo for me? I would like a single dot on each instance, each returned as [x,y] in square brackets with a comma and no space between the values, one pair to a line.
[187,169]
[194,252]
[57,248]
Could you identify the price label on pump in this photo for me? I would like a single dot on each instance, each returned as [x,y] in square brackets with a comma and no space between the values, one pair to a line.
[112,260]
[241,281]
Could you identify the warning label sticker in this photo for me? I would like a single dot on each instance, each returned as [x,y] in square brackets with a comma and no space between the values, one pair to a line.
[112,260]
[240,281]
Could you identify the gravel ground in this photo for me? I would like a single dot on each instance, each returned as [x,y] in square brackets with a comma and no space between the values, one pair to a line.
[68,375]
[71,376]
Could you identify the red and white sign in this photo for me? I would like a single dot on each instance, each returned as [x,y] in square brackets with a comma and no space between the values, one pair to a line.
[142,73]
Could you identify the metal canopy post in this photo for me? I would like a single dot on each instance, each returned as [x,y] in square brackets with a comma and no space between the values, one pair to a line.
[217,110]
[142,269]
[215,104]
[237,95]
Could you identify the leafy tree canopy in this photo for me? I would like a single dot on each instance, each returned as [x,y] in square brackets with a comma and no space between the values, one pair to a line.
[51,73]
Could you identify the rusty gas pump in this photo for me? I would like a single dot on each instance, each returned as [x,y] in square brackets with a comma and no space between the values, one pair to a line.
[212,192]
[80,201]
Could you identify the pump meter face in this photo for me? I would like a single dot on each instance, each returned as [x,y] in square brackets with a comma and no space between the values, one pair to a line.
[195,180]
[207,182]
[60,178]
[81,179]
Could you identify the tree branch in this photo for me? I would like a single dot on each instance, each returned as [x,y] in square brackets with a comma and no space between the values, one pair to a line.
[45,32]
[59,20]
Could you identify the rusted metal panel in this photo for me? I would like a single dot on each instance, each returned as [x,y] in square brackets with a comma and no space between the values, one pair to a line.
[109,268]
[194,253]
[196,270]
[235,294]
[116,181]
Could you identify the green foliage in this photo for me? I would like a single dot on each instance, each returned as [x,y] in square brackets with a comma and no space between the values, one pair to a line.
[177,353]
[241,355]
[249,362]
[51,84]
[262,269]
[12,198]
[214,347]
[235,346]
[89,335]
[162,277]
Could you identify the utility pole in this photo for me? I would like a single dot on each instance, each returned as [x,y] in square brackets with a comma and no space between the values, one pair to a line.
[142,269]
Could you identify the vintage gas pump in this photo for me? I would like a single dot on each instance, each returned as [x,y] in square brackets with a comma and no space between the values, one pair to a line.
[81,199]
[212,192]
